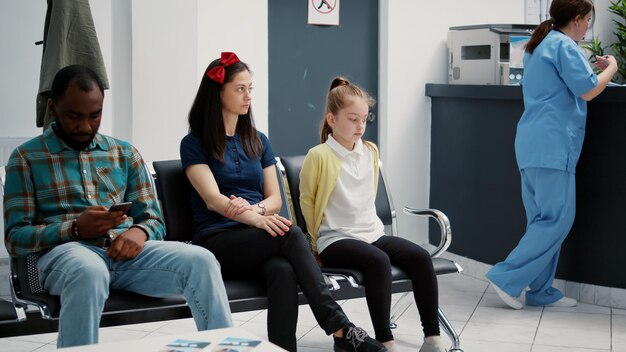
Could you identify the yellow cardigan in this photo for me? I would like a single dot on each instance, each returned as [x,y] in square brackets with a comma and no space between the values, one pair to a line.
[318,177]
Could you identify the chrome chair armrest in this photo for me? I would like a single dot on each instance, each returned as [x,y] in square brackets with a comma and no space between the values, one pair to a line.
[337,276]
[444,226]
[332,283]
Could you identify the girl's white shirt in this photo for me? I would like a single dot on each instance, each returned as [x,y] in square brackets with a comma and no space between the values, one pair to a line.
[351,209]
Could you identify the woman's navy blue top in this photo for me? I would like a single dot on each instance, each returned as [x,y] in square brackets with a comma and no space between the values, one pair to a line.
[238,175]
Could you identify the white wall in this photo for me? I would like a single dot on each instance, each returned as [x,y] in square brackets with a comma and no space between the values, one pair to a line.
[603,26]
[171,49]
[164,52]
[247,37]
[415,34]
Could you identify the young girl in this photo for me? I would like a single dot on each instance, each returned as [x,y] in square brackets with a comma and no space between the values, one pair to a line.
[338,184]
[557,84]
[235,201]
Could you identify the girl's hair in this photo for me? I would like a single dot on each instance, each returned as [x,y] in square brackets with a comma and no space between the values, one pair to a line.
[337,98]
[561,13]
[207,123]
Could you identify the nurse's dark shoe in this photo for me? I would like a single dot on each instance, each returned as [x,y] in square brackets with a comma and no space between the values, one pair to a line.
[506,298]
[355,339]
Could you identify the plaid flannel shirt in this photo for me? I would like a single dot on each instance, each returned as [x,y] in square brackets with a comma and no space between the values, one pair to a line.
[48,185]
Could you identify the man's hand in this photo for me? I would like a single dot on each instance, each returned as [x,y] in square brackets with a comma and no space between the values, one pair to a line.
[96,221]
[128,245]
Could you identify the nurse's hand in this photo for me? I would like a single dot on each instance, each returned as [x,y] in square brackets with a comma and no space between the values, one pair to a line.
[602,62]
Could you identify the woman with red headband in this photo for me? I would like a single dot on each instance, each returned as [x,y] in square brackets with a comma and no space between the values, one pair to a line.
[235,201]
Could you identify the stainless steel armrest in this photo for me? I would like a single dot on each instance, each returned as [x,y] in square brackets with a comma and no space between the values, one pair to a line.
[336,277]
[444,226]
[332,283]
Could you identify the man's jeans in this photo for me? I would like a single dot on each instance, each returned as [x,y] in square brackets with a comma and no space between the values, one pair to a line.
[82,276]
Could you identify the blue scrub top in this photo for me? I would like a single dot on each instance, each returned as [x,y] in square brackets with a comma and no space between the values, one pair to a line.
[238,175]
[550,133]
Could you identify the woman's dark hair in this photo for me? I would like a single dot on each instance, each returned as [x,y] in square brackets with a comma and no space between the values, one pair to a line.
[561,13]
[206,121]
[84,77]
[340,90]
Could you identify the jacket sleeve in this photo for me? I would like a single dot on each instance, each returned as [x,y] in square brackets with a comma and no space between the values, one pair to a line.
[309,178]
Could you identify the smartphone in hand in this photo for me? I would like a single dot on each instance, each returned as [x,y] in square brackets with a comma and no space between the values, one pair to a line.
[124,207]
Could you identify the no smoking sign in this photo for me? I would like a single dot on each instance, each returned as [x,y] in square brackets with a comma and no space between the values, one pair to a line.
[324,12]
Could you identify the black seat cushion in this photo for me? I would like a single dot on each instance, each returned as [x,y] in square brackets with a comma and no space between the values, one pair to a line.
[7,311]
[441,265]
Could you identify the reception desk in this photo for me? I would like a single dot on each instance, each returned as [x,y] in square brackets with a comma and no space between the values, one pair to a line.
[475,180]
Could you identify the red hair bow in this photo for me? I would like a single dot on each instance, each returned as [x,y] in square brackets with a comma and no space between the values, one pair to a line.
[218,72]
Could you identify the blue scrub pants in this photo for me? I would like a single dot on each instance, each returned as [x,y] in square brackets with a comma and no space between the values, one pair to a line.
[82,275]
[549,197]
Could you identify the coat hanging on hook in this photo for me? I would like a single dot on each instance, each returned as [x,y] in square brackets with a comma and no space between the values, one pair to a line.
[69,38]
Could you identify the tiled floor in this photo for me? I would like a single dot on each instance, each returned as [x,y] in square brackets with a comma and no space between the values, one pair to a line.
[482,320]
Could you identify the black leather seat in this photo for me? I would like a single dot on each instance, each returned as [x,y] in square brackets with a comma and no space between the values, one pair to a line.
[27,290]
[291,167]
[9,313]
[173,189]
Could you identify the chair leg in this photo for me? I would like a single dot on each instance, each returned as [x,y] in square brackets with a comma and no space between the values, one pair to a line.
[449,329]
[399,308]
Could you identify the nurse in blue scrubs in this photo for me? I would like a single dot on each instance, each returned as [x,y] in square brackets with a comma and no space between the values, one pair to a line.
[558,81]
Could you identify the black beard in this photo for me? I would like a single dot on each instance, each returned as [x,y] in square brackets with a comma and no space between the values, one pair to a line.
[60,132]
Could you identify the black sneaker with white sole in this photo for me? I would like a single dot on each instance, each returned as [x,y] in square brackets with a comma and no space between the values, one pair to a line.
[356,339]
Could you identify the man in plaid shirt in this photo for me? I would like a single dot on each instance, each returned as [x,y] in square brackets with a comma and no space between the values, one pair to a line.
[58,189]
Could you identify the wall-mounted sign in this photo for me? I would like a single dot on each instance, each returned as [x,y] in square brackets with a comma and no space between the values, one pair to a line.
[324,12]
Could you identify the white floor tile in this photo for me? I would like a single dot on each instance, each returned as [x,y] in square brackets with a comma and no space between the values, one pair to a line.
[506,316]
[450,297]
[618,325]
[408,342]
[179,326]
[457,312]
[259,329]
[617,311]
[19,346]
[114,335]
[509,333]
[575,321]
[39,338]
[316,338]
[581,308]
[544,348]
[311,349]
[245,316]
[470,345]
[573,337]
[461,282]
[148,327]
[354,305]
[407,325]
